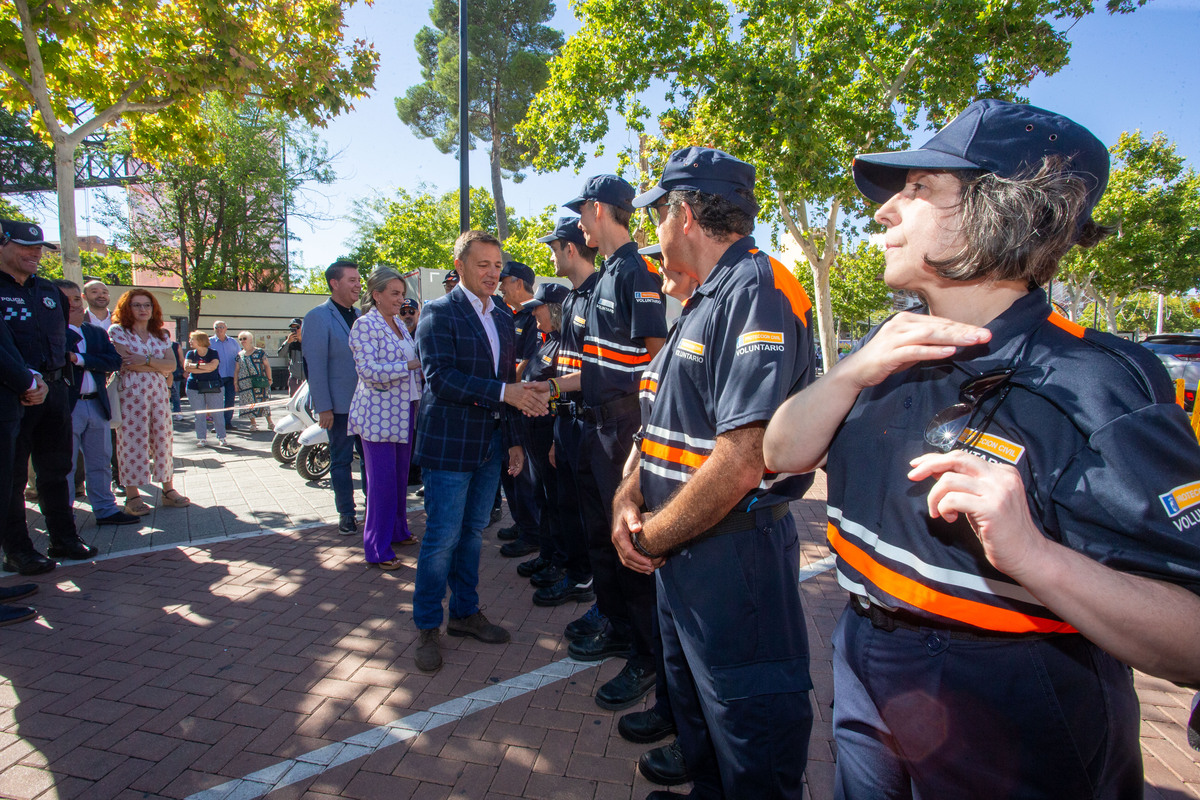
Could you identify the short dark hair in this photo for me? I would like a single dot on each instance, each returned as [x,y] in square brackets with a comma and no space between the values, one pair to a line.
[589,253]
[63,283]
[1019,228]
[334,271]
[464,241]
[621,215]
[718,217]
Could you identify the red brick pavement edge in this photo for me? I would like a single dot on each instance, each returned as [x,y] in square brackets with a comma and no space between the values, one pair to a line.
[164,674]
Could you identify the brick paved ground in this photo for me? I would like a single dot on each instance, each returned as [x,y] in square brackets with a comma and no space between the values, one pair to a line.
[183,671]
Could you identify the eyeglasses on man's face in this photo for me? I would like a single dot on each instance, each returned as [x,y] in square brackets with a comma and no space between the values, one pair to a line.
[407,312]
[659,211]
[945,430]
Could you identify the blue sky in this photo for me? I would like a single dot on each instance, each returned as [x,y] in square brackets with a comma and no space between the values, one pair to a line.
[1130,71]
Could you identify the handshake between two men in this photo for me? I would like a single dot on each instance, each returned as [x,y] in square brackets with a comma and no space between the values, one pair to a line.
[531,398]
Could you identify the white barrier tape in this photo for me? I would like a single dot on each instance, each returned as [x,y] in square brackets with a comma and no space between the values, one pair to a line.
[281,402]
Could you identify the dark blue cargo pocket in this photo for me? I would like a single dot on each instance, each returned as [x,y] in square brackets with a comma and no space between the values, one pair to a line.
[768,677]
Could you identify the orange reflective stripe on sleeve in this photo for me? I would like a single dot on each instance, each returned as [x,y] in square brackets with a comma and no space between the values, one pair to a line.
[957,609]
[651,264]
[648,385]
[673,454]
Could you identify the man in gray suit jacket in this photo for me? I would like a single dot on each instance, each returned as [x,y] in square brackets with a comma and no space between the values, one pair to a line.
[332,379]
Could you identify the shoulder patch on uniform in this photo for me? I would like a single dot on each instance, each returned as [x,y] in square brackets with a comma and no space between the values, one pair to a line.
[647,297]
[1181,498]
[786,282]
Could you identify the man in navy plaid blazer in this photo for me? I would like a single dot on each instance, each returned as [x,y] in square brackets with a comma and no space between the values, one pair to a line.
[467,344]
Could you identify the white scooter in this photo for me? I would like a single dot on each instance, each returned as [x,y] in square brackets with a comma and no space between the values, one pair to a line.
[299,439]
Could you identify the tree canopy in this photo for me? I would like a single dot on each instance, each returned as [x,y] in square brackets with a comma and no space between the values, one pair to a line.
[218,222]
[418,229]
[508,50]
[1154,202]
[795,87]
[84,65]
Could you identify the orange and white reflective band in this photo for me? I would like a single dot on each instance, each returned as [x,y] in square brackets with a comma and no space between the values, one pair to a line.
[918,595]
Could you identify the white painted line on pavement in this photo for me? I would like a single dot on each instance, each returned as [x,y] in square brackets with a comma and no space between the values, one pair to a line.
[313,763]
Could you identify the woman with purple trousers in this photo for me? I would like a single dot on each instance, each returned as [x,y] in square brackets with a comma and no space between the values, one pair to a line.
[383,412]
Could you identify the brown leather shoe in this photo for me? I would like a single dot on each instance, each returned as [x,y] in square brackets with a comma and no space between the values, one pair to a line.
[477,627]
[429,652]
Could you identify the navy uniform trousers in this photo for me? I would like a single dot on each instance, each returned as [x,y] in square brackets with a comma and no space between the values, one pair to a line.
[569,540]
[735,647]
[624,596]
[919,714]
[49,425]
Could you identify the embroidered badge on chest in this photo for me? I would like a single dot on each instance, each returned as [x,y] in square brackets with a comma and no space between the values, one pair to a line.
[49,302]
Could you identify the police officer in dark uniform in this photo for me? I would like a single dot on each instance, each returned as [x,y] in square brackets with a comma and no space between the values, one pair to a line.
[36,313]
[516,287]
[19,387]
[572,579]
[721,537]
[626,326]
[1025,528]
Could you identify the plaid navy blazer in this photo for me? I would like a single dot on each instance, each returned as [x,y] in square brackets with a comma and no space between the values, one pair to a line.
[461,406]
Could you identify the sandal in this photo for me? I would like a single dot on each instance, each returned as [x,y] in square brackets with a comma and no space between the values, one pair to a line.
[173,498]
[137,506]
[390,564]
[409,541]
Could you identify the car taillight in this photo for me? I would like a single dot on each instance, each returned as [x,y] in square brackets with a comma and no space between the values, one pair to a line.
[1187,356]
[1189,396]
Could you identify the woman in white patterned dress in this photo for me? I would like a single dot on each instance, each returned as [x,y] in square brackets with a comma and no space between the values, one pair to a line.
[383,412]
[145,434]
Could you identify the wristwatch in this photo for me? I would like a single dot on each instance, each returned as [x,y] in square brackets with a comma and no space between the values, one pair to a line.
[637,545]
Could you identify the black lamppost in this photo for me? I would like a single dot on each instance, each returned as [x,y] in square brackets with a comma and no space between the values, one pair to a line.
[464,182]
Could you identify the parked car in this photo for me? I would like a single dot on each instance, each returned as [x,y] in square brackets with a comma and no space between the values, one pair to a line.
[1180,354]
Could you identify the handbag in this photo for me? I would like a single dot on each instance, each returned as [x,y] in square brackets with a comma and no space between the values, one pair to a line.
[259,382]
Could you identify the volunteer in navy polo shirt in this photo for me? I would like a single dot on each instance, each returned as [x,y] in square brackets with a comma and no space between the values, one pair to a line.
[720,539]
[1012,497]
[37,314]
[626,326]
[575,261]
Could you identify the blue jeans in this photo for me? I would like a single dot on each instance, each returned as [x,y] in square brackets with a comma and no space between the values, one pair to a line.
[341,457]
[201,401]
[457,509]
[90,429]
[230,399]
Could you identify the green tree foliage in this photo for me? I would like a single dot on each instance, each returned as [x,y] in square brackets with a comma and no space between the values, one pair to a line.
[418,229]
[522,243]
[217,222]
[1154,201]
[113,267]
[24,158]
[1139,313]
[85,64]
[795,87]
[858,294]
[508,51]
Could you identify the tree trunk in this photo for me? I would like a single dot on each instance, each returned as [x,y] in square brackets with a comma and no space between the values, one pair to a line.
[64,178]
[819,263]
[1110,311]
[498,193]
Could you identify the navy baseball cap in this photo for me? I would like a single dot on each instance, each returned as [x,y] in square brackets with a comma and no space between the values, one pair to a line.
[547,292]
[654,251]
[451,277]
[25,233]
[995,136]
[566,230]
[515,269]
[611,189]
[703,169]
[296,322]
[409,303]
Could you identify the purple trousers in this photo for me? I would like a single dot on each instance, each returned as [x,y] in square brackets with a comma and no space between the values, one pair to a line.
[386,464]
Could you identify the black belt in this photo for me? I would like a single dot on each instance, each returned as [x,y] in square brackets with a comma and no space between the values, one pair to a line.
[613,408]
[888,620]
[736,521]
[89,396]
[52,375]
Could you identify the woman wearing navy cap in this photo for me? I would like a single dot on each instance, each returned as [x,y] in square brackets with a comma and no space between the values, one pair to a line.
[1012,497]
